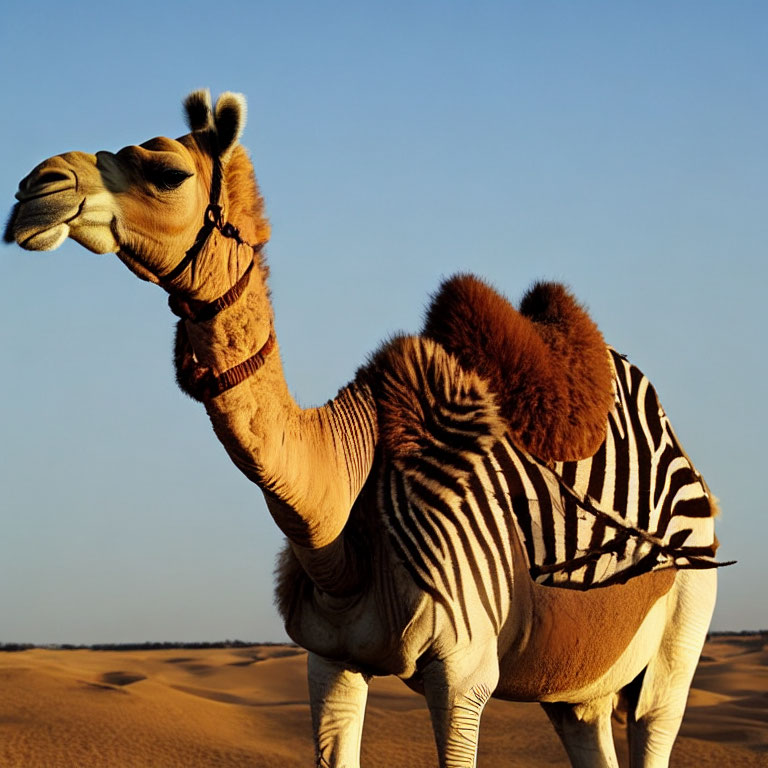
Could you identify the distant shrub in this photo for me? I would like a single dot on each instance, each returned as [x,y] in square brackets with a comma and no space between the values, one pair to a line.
[146,646]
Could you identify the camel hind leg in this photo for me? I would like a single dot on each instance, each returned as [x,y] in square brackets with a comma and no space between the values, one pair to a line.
[657,699]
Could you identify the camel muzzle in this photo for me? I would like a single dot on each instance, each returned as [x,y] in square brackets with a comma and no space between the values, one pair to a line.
[48,202]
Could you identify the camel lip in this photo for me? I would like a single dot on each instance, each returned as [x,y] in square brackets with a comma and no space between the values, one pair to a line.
[45,239]
[26,233]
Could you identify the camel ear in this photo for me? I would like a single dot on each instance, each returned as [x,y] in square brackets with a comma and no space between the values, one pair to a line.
[197,107]
[229,118]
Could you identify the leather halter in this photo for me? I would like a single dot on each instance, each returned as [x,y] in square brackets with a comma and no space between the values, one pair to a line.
[213,218]
[201,380]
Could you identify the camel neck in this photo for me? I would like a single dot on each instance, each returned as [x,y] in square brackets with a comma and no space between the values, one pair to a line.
[311,463]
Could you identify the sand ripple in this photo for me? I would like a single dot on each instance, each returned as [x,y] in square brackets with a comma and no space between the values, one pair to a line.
[248,707]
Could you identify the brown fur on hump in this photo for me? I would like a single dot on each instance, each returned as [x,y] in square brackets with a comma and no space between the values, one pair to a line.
[547,363]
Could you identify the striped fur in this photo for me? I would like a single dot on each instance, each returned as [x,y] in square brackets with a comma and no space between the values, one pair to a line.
[451,506]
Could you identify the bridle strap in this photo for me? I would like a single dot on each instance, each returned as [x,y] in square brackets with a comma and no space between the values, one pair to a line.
[200,311]
[221,382]
[201,383]
[202,235]
[213,218]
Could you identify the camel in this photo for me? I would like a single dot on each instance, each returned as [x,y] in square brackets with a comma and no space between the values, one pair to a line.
[404,553]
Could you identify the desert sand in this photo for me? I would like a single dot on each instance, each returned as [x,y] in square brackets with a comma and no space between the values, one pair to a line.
[248,707]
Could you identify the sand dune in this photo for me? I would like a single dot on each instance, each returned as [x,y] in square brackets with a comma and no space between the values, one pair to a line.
[248,707]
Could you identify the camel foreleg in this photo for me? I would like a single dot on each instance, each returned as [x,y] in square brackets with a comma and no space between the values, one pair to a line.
[457,689]
[337,697]
[585,730]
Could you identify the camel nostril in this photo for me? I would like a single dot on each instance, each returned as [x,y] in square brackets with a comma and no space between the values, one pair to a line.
[50,177]
[46,181]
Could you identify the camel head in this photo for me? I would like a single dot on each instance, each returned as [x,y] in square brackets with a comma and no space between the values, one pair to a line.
[158,205]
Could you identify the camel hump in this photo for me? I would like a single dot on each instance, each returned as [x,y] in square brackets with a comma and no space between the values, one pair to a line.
[426,400]
[546,363]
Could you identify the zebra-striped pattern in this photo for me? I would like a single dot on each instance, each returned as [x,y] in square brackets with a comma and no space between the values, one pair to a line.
[638,504]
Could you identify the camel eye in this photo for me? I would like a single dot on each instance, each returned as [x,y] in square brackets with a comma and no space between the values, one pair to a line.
[167,179]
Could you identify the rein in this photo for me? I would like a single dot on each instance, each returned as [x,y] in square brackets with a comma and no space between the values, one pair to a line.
[665,554]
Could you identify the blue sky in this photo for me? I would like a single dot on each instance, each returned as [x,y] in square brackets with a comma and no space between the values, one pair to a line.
[618,147]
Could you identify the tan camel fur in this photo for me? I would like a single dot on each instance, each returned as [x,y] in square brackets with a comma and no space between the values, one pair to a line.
[187,215]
